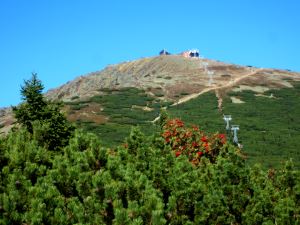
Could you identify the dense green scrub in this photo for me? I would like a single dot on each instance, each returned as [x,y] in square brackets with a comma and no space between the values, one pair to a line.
[124,109]
[269,127]
[140,183]
[202,111]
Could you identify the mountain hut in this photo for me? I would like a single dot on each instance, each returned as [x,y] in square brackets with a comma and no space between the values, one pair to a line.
[191,53]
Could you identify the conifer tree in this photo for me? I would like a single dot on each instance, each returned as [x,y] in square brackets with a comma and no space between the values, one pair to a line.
[52,128]
[34,103]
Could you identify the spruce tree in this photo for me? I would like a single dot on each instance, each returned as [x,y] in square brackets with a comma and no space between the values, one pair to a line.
[34,103]
[51,126]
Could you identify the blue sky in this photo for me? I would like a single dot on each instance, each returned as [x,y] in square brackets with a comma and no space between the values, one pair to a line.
[62,39]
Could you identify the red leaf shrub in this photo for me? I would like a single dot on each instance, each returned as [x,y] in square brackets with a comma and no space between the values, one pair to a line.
[192,142]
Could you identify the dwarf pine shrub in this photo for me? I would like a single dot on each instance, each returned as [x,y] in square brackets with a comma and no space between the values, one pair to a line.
[142,181]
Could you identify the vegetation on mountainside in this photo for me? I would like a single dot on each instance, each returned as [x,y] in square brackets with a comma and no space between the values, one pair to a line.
[269,126]
[178,175]
[269,132]
[124,108]
[142,182]
[202,111]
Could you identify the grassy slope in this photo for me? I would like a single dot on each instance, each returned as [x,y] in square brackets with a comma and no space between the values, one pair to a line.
[118,106]
[269,127]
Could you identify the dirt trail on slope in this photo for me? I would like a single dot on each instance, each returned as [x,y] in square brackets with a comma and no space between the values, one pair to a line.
[215,88]
[192,96]
[220,100]
[229,84]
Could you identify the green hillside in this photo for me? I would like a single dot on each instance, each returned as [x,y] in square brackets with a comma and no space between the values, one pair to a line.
[269,127]
[124,109]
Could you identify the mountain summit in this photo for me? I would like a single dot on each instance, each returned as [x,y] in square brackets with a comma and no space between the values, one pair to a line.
[172,75]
